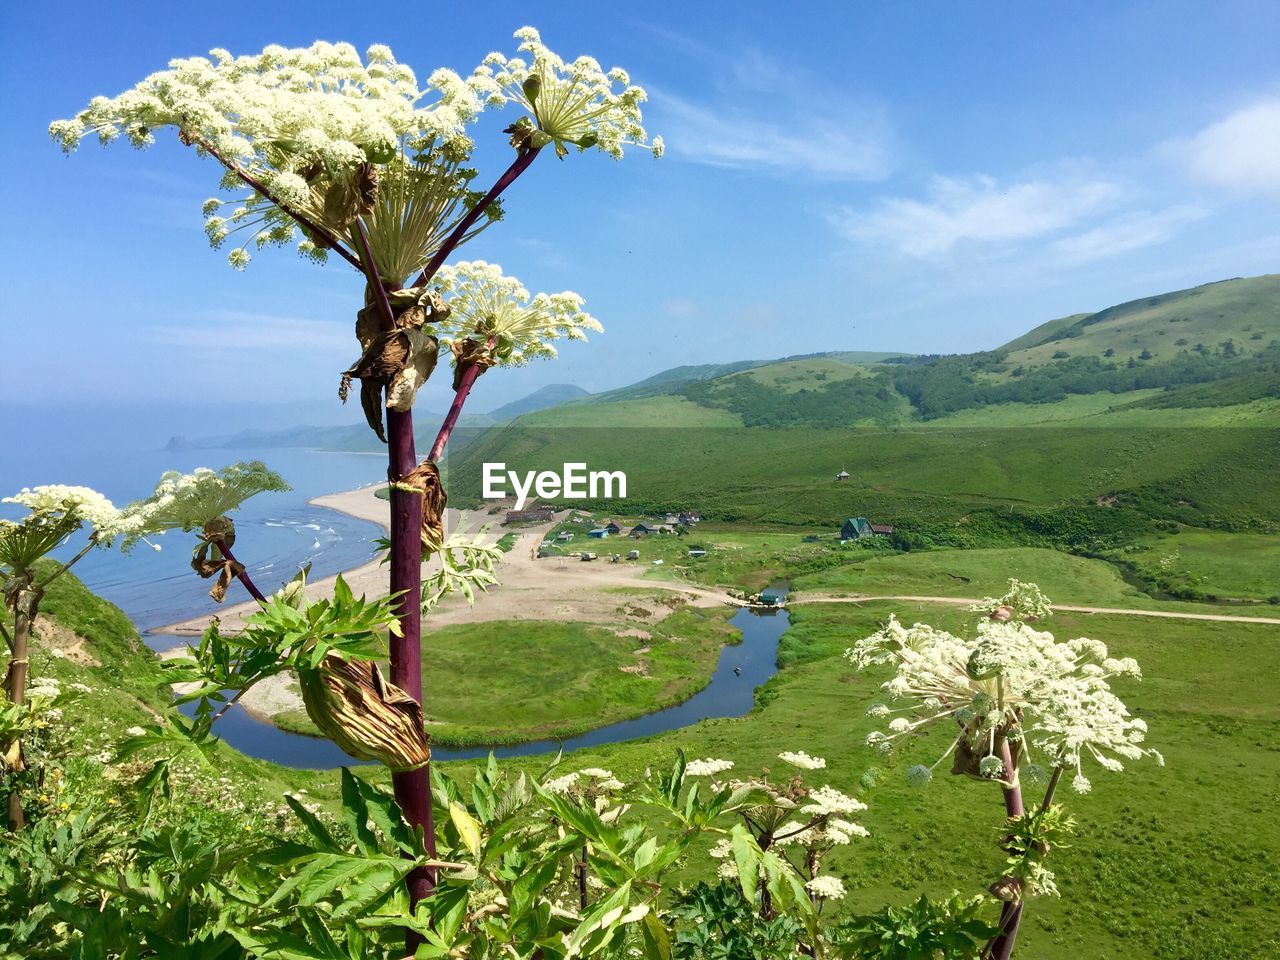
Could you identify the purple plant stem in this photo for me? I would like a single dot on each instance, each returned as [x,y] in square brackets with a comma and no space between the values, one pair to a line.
[413,787]
[1001,947]
[243,575]
[465,384]
[519,166]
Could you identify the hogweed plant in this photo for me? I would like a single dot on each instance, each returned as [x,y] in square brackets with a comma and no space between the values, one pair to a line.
[1019,705]
[356,158]
[56,514]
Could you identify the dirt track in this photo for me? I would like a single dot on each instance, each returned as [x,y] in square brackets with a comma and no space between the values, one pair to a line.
[803,598]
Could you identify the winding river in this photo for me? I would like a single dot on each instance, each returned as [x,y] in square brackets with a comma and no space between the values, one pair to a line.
[730,693]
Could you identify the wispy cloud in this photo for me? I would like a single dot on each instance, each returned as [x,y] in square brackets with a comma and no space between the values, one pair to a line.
[682,308]
[978,212]
[788,142]
[762,116]
[1241,151]
[1130,231]
[241,330]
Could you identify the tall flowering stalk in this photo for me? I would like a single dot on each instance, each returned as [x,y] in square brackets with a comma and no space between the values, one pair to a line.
[57,512]
[355,157]
[1019,704]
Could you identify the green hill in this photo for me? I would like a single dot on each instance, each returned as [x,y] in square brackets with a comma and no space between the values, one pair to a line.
[1244,312]
[955,450]
[1211,353]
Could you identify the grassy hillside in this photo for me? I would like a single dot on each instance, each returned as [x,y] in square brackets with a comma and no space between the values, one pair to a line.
[1243,311]
[1215,346]
[960,487]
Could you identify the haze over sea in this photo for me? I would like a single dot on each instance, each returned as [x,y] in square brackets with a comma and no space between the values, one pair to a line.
[123,457]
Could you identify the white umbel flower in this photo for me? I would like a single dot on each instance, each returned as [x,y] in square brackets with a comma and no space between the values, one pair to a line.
[802,760]
[1009,681]
[574,102]
[826,888]
[707,767]
[488,305]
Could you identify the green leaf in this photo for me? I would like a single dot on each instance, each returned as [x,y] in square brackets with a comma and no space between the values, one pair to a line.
[656,939]
[747,856]
[467,827]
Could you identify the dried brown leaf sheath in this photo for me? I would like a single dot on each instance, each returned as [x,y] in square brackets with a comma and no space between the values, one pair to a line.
[469,353]
[398,361]
[364,713]
[208,560]
[425,479]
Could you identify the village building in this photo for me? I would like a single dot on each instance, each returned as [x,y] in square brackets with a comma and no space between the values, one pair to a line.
[646,529]
[614,528]
[773,596]
[859,528]
[599,533]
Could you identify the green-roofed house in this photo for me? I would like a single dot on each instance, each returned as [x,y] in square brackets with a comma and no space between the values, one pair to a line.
[856,528]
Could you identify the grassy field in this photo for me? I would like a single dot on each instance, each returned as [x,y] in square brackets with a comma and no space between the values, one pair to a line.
[104,652]
[1212,563]
[1029,483]
[1175,864]
[1178,863]
[978,573]
[510,682]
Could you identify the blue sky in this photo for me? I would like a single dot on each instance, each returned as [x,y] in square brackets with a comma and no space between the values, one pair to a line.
[931,177]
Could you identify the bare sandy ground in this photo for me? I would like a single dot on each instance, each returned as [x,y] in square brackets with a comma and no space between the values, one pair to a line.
[557,589]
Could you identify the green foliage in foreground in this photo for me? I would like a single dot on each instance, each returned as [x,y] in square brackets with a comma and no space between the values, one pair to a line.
[1124,883]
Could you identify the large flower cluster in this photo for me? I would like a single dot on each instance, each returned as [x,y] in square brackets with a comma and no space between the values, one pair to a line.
[1022,601]
[72,505]
[191,500]
[1008,683]
[571,103]
[487,306]
[297,120]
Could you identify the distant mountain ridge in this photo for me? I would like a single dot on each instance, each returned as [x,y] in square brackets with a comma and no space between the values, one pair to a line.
[1216,345]
[1226,332]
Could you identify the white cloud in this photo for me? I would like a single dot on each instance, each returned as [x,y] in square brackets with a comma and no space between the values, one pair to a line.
[682,308]
[1131,231]
[788,140]
[1241,151]
[977,211]
[241,330]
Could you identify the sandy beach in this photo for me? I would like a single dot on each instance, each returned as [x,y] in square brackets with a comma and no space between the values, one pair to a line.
[528,589]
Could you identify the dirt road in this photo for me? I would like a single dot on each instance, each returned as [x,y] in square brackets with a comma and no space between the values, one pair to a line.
[803,598]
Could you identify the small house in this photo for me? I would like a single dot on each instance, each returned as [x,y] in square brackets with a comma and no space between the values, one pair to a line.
[614,528]
[856,528]
[564,536]
[882,529]
[599,533]
[689,518]
[645,529]
[842,475]
[773,596]
[697,552]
